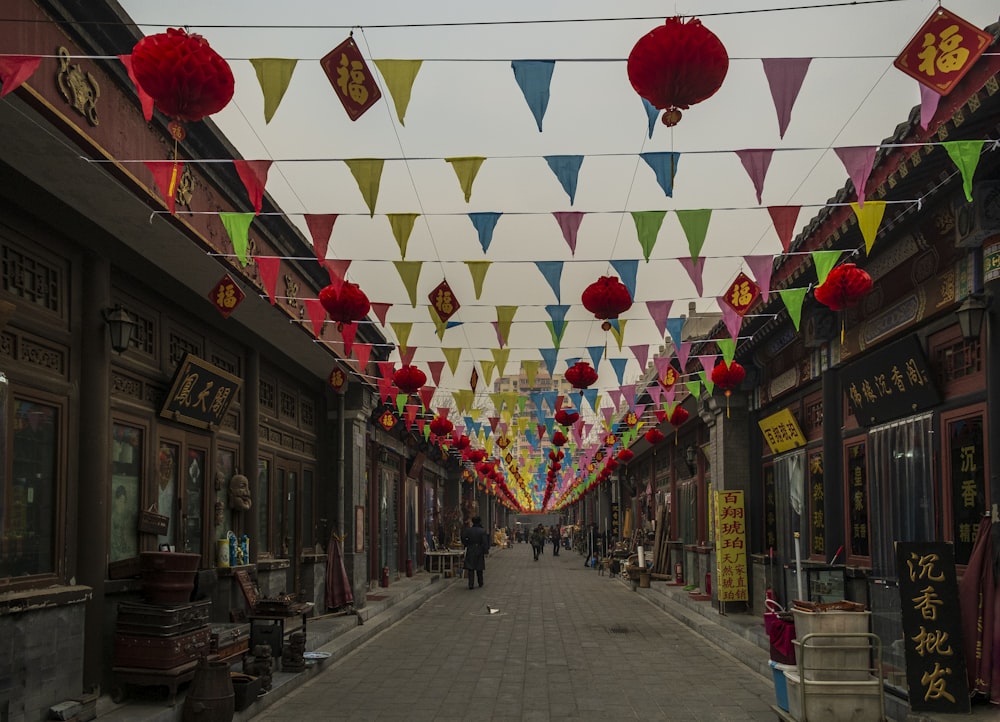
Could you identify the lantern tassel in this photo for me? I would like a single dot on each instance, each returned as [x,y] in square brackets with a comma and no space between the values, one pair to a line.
[843,323]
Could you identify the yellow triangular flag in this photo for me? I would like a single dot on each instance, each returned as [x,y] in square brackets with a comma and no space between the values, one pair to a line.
[478,270]
[500,356]
[439,326]
[457,395]
[368,174]
[487,367]
[497,399]
[273,74]
[530,370]
[465,399]
[399,76]
[402,330]
[488,445]
[505,315]
[402,226]
[466,169]
[452,355]
[869,219]
[474,414]
[619,333]
[409,274]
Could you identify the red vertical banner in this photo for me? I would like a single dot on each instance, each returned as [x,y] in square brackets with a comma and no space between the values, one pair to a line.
[943,51]
[351,78]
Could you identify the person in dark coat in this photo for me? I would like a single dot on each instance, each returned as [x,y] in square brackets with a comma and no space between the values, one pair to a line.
[556,536]
[477,545]
[538,540]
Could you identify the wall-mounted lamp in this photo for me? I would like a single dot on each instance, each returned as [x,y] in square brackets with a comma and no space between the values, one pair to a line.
[121,326]
[691,459]
[971,313]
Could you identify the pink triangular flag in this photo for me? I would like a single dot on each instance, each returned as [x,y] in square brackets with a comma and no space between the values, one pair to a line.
[362,352]
[655,391]
[435,368]
[659,311]
[320,227]
[641,353]
[732,319]
[381,309]
[761,267]
[166,174]
[756,163]
[15,69]
[785,76]
[606,411]
[253,173]
[694,270]
[669,394]
[347,332]
[616,398]
[662,363]
[406,357]
[858,160]
[569,222]
[317,314]
[929,99]
[336,268]
[682,355]
[784,219]
[426,394]
[707,364]
[496,328]
[267,267]
[628,393]
[145,99]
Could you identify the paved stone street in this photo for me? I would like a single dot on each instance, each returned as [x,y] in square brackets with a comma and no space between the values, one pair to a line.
[563,643]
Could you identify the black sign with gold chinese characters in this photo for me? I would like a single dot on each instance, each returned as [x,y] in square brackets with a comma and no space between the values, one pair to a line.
[932,627]
[890,383]
[200,393]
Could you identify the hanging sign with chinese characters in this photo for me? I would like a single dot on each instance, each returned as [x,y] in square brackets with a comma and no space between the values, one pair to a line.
[742,294]
[781,432]
[351,79]
[200,393]
[387,419]
[932,629]
[730,547]
[226,295]
[890,383]
[943,51]
[338,379]
[443,301]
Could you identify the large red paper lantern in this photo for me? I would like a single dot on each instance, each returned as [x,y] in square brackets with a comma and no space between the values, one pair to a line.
[606,298]
[654,436]
[567,417]
[185,77]
[677,65]
[462,442]
[844,286]
[581,375]
[559,439]
[728,376]
[440,425]
[348,305]
[678,417]
[626,455]
[409,379]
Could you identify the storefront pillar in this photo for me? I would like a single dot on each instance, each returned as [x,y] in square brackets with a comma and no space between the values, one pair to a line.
[251,445]
[833,476]
[989,339]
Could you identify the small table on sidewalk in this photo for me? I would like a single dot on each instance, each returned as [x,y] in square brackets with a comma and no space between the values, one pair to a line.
[445,560]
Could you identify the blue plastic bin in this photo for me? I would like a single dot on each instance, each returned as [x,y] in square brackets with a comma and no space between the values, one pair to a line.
[780,685]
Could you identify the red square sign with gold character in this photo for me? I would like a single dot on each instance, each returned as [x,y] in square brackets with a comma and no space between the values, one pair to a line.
[943,51]
[742,294]
[226,295]
[387,420]
[338,379]
[443,301]
[351,79]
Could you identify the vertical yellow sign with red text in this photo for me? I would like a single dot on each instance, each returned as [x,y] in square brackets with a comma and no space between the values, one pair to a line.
[730,547]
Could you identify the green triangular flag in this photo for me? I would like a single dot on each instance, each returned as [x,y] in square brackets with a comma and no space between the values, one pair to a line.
[556,338]
[402,227]
[409,273]
[824,262]
[505,316]
[368,174]
[399,76]
[439,326]
[452,355]
[273,74]
[401,400]
[727,347]
[965,155]
[238,226]
[466,169]
[695,225]
[500,356]
[402,330]
[647,225]
[530,370]
[693,387]
[792,298]
[478,271]
[869,219]
[709,384]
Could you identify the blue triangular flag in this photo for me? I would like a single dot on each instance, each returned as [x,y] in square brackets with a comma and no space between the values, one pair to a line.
[591,397]
[627,271]
[485,223]
[664,165]
[552,272]
[652,113]
[549,399]
[534,78]
[674,328]
[536,399]
[572,360]
[558,316]
[549,356]
[595,355]
[615,324]
[541,414]
[529,435]
[452,324]
[550,425]
[567,170]
[618,364]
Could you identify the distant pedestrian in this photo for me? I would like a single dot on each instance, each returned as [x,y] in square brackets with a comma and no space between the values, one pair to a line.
[556,537]
[477,545]
[538,540]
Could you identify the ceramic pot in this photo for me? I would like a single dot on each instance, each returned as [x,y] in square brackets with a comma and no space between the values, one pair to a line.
[168,577]
[210,697]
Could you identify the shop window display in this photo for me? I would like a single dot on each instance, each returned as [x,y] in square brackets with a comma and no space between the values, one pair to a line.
[126,474]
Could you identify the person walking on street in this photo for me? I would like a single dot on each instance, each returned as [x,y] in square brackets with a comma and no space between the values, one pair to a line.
[556,537]
[477,546]
[537,540]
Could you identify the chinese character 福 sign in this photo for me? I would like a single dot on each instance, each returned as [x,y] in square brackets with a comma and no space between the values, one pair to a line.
[226,295]
[443,301]
[781,432]
[730,547]
[943,51]
[351,79]
[200,393]
[742,294]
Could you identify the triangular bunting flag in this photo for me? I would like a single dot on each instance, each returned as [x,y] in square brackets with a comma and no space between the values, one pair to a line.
[556,330]
[273,75]
[664,165]
[784,219]
[618,330]
[505,316]
[627,270]
[929,100]
[402,227]
[409,274]
[785,76]
[336,269]
[452,355]
[695,225]
[618,364]
[652,113]
[317,315]
[439,326]
[730,318]
[500,357]
[641,354]
[659,311]
[401,329]
[347,332]
[367,173]
[682,355]
[166,173]
[858,161]
[267,268]
[869,220]
[727,347]
[647,226]
[549,356]
[761,267]
[145,99]
[596,352]
[399,76]
[965,155]
[487,367]
[380,310]
[238,226]
[567,170]
[756,162]
[362,352]
[569,224]
[435,367]
[676,326]
[792,298]
[824,261]
[466,168]
[694,270]
[534,78]
[478,269]
[253,173]
[15,69]
[484,224]
[552,272]
[530,367]
[320,227]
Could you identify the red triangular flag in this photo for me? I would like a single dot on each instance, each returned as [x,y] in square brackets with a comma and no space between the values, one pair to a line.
[320,227]
[15,69]
[317,314]
[166,173]
[406,357]
[362,352]
[858,161]
[435,368]
[426,393]
[145,99]
[381,309]
[785,76]
[268,267]
[347,332]
[253,173]
[756,163]
[784,219]
[337,270]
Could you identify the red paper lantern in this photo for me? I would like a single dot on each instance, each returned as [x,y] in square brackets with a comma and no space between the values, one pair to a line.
[728,376]
[185,77]
[844,286]
[409,379]
[678,417]
[654,436]
[559,439]
[567,417]
[440,426]
[348,305]
[477,455]
[581,375]
[677,65]
[606,298]
[626,455]
[462,443]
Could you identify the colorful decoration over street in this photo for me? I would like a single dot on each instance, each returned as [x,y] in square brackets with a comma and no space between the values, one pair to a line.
[346,304]
[581,375]
[844,286]
[408,379]
[606,298]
